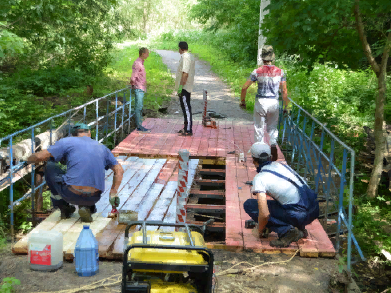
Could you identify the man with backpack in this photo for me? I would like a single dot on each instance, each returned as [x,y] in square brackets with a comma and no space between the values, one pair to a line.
[294,204]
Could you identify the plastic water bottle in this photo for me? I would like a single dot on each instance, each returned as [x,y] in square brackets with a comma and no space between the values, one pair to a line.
[86,253]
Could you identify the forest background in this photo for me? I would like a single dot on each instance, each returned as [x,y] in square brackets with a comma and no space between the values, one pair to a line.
[51,50]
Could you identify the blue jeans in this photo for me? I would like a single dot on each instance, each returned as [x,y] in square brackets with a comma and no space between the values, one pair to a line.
[282,218]
[61,196]
[138,108]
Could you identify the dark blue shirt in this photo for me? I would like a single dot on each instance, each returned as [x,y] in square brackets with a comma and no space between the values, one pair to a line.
[86,161]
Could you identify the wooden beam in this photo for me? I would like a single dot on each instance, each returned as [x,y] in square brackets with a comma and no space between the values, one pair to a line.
[210,182]
[206,208]
[218,172]
[218,194]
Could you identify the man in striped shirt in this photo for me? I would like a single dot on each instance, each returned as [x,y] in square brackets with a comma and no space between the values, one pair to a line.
[266,107]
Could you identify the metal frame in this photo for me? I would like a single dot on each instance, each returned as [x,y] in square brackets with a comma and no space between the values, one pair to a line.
[326,168]
[125,118]
[128,266]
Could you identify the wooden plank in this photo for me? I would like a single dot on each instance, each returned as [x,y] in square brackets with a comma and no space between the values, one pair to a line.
[216,226]
[218,172]
[70,238]
[323,243]
[308,245]
[163,203]
[170,216]
[218,194]
[106,238]
[206,207]
[130,186]
[46,225]
[133,202]
[130,169]
[210,182]
[149,200]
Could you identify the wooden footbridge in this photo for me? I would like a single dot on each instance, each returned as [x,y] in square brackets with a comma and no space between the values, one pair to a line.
[149,185]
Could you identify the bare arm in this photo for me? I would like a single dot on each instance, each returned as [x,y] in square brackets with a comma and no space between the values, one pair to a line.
[184,78]
[244,91]
[41,156]
[264,214]
[118,174]
[284,93]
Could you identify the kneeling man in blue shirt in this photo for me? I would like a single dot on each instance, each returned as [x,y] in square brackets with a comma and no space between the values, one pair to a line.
[84,180]
[294,206]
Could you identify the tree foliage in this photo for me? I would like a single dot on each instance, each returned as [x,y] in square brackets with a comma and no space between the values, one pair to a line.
[326,30]
[238,16]
[76,34]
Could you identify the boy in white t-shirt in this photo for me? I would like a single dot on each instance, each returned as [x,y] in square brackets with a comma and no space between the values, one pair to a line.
[184,83]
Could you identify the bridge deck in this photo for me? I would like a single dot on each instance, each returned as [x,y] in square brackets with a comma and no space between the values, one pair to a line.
[150,181]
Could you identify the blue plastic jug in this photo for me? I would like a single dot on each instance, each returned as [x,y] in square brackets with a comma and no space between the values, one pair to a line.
[86,253]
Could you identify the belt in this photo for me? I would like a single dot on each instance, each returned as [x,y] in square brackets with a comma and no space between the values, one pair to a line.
[83,193]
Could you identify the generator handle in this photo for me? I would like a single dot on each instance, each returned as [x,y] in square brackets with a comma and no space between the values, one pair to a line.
[189,233]
[211,221]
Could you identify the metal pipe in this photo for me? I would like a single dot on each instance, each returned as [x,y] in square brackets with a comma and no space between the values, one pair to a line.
[341,191]
[350,211]
[97,120]
[11,191]
[32,178]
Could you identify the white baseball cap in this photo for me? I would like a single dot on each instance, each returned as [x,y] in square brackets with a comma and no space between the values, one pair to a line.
[260,149]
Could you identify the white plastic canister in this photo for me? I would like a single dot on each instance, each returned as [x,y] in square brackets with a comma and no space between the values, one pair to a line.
[45,250]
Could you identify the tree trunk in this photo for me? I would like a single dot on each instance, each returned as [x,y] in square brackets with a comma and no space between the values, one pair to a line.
[261,38]
[380,72]
[379,137]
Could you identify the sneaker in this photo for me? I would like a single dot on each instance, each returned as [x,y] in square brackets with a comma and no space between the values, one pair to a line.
[293,235]
[187,133]
[181,131]
[142,129]
[67,211]
[93,209]
[305,233]
[85,214]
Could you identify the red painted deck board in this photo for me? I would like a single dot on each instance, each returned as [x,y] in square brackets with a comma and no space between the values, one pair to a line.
[164,141]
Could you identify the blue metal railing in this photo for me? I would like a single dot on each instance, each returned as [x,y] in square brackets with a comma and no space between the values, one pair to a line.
[17,165]
[319,156]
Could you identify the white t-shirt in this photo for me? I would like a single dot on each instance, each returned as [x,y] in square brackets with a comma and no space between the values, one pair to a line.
[280,189]
[187,65]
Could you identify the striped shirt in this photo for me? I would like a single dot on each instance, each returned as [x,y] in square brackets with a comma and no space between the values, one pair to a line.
[269,78]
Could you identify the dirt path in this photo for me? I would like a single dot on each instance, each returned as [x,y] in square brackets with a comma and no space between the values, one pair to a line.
[220,97]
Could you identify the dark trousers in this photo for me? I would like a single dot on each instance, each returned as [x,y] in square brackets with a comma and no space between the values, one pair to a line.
[281,219]
[186,109]
[61,196]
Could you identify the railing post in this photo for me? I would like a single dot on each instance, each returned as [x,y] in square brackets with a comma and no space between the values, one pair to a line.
[350,211]
[182,186]
[341,192]
[107,117]
[32,179]
[84,114]
[11,190]
[329,179]
[115,118]
[51,132]
[123,114]
[205,107]
[97,120]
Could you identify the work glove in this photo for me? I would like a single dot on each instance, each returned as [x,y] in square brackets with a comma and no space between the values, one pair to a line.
[114,200]
[179,93]
[243,105]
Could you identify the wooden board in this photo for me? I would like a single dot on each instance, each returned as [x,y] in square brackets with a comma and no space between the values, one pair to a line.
[46,225]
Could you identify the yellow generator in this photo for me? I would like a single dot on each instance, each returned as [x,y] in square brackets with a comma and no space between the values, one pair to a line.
[167,262]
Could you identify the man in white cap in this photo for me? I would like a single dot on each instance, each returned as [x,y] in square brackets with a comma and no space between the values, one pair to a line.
[294,206]
[266,107]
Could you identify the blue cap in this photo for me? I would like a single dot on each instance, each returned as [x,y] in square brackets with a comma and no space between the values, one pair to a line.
[86,227]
